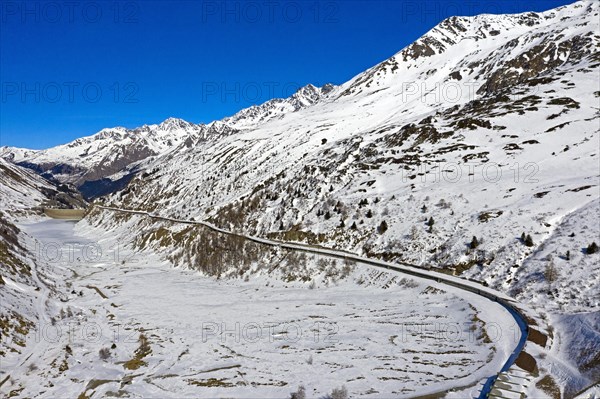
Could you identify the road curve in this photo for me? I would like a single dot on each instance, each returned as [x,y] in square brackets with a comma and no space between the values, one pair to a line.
[507,302]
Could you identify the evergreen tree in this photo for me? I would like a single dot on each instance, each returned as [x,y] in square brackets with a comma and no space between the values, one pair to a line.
[353,227]
[369,214]
[474,243]
[430,222]
[592,248]
[382,227]
[529,241]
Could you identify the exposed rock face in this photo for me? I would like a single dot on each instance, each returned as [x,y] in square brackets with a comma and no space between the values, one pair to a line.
[538,61]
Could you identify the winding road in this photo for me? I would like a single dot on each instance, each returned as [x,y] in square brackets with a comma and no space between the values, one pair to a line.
[507,302]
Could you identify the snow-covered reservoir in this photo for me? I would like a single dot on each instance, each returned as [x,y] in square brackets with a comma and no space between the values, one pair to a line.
[129,324]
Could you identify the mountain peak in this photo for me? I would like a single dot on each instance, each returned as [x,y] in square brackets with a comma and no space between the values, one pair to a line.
[310,94]
[172,123]
[441,53]
[453,30]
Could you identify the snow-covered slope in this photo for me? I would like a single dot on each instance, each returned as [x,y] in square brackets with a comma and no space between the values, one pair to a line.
[486,127]
[364,143]
[21,278]
[22,189]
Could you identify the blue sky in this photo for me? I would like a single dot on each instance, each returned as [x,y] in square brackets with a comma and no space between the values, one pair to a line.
[71,68]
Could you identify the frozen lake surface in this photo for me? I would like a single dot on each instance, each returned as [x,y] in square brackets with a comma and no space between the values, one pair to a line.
[167,332]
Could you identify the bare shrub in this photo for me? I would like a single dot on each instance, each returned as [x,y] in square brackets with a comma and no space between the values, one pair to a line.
[551,272]
[104,353]
[414,233]
[339,393]
[299,394]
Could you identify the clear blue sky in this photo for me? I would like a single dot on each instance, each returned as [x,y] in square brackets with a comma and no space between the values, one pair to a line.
[68,69]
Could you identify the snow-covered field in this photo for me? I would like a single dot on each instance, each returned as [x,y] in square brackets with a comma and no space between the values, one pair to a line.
[168,332]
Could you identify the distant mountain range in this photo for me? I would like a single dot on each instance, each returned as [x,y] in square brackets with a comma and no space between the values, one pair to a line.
[88,162]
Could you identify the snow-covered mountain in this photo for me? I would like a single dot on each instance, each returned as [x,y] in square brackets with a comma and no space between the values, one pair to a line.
[104,153]
[443,155]
[106,161]
[22,189]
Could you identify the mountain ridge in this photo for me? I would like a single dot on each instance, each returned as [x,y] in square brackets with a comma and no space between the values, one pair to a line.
[112,150]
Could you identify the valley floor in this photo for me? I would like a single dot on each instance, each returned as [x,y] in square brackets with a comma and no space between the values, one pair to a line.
[117,323]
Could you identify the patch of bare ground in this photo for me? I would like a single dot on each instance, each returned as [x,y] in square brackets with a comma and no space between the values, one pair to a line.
[549,386]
